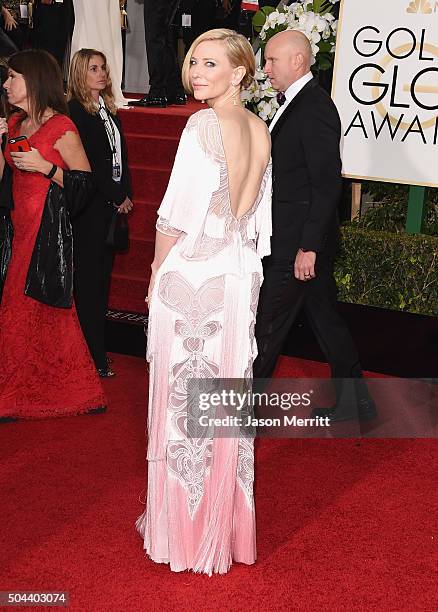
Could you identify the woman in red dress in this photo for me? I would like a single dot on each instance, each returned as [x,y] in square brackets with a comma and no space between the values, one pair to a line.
[45,367]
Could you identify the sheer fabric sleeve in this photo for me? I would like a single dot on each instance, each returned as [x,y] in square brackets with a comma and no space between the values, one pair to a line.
[163,226]
[194,178]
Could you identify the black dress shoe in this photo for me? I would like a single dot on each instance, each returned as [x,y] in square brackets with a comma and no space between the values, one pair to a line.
[366,412]
[150,101]
[177,100]
[8,419]
[367,409]
[332,415]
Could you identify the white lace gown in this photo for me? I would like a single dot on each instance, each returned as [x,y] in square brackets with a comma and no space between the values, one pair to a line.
[200,509]
[98,26]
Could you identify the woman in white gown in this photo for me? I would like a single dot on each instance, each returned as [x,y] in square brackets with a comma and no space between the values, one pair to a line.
[98,26]
[213,228]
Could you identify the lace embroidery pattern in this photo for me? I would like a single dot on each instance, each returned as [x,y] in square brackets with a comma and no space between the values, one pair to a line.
[245,461]
[245,468]
[188,459]
[255,290]
[164,227]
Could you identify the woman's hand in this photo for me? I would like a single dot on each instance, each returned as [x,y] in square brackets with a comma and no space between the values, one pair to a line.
[3,126]
[150,289]
[31,161]
[125,206]
[10,23]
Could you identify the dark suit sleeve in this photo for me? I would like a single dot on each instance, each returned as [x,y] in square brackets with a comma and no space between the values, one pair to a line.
[112,190]
[126,173]
[320,137]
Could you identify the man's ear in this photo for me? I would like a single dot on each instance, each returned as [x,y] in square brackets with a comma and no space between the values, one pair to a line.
[299,60]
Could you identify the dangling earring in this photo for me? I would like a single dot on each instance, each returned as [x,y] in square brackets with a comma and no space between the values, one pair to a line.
[234,94]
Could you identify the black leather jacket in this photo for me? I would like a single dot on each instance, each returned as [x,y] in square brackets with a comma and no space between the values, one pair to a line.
[6,229]
[50,275]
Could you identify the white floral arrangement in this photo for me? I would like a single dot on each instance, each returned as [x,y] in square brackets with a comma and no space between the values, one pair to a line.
[312,17]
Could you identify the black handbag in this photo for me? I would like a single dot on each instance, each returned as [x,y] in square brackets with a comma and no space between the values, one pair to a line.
[118,232]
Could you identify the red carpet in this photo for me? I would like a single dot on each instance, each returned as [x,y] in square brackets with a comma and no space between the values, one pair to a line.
[152,137]
[342,524]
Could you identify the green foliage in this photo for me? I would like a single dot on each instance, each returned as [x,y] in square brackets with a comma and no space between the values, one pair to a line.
[395,271]
[389,210]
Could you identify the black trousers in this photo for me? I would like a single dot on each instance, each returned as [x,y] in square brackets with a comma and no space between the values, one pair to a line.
[164,71]
[281,298]
[203,14]
[93,262]
[51,29]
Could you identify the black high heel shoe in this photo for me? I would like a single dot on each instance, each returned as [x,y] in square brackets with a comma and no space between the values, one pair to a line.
[105,372]
[98,410]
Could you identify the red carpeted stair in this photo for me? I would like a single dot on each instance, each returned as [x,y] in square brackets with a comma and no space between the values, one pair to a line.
[152,137]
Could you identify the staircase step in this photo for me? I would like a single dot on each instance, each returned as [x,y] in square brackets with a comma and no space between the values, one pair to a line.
[128,293]
[154,121]
[152,137]
[152,150]
[149,183]
[137,260]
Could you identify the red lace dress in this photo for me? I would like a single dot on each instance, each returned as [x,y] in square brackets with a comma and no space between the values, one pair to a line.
[45,367]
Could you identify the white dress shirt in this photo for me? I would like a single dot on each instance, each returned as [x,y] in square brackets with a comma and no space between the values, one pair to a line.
[290,94]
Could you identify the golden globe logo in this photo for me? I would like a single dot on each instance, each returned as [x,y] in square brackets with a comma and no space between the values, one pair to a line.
[385,87]
[395,81]
[421,6]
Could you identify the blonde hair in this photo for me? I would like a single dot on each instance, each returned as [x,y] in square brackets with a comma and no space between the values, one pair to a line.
[238,49]
[77,82]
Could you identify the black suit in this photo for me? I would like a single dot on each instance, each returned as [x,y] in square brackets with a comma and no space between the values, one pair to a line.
[307,187]
[92,258]
[164,71]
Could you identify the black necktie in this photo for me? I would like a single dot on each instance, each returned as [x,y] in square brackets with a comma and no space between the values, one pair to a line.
[281,98]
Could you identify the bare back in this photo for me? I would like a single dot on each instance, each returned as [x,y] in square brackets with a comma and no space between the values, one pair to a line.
[247,148]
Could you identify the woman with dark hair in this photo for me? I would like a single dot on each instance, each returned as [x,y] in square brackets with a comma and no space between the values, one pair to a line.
[46,369]
[93,109]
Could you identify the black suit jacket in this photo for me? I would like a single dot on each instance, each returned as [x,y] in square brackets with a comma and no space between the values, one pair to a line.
[307,182]
[94,138]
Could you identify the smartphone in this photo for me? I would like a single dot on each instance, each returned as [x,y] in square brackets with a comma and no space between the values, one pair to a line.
[19,144]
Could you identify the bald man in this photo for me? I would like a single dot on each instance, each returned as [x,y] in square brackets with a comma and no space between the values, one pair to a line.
[307,187]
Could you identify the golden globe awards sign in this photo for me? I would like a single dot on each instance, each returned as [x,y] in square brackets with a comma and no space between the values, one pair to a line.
[385,86]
